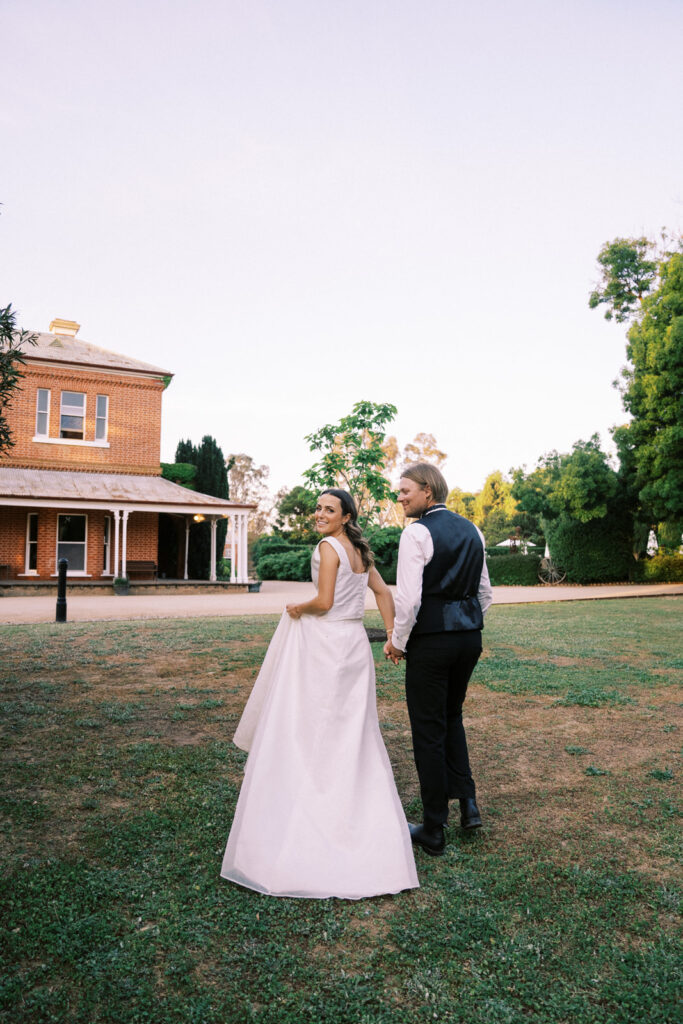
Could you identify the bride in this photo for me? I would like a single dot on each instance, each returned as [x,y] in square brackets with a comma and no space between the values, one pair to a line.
[318,814]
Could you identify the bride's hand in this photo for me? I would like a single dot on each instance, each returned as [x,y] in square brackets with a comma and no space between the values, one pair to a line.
[294,611]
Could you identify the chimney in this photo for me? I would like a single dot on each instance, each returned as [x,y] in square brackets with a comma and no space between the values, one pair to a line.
[66,327]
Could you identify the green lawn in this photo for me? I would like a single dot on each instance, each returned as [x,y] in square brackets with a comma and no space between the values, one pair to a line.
[120,782]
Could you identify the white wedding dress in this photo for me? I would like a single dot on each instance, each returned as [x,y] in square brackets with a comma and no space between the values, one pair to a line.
[318,814]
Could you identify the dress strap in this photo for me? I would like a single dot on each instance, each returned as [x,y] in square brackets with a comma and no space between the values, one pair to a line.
[336,544]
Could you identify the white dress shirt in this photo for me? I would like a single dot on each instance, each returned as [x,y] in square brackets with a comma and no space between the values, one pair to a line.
[415,550]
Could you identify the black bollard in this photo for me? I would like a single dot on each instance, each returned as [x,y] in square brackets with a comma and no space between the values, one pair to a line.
[61,590]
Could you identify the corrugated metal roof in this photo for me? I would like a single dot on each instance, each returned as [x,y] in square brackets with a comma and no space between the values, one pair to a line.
[61,485]
[61,348]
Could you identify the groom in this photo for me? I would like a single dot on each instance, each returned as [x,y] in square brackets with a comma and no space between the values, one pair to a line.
[442,593]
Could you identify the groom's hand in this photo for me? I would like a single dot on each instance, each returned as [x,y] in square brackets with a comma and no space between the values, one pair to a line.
[392,653]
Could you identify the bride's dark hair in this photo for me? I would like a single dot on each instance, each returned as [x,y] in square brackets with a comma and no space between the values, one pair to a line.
[352,529]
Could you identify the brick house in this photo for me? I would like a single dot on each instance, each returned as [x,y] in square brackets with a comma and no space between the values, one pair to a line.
[83,479]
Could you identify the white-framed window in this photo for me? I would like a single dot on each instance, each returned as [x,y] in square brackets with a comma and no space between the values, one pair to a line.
[106,570]
[31,558]
[101,417]
[72,415]
[42,412]
[72,536]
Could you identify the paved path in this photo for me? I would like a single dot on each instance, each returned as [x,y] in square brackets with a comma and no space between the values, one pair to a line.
[271,601]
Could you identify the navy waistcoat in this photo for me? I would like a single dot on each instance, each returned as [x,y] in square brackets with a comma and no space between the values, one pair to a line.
[451,579]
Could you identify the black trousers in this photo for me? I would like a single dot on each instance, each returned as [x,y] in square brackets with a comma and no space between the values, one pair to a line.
[438,669]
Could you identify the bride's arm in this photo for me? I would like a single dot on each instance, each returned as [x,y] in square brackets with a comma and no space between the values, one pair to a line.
[327,577]
[384,599]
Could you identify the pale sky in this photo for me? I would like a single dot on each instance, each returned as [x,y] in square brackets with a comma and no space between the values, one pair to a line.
[294,205]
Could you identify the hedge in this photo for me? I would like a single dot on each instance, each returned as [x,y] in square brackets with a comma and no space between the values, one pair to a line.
[292,564]
[663,569]
[600,551]
[514,570]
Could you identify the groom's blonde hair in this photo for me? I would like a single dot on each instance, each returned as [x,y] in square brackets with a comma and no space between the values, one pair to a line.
[426,475]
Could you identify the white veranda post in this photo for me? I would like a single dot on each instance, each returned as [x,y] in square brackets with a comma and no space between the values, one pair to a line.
[124,542]
[244,553]
[214,524]
[233,524]
[115,570]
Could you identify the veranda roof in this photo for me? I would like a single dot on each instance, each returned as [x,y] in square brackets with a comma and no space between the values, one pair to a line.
[63,489]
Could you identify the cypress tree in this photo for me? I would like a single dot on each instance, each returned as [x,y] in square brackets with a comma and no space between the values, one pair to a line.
[211,478]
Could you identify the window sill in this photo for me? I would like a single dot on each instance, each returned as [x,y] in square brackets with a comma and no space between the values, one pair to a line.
[30,574]
[74,572]
[71,441]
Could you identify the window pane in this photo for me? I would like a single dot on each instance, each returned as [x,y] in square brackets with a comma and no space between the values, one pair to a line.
[72,423]
[102,405]
[72,528]
[33,527]
[32,557]
[74,554]
[74,399]
[42,411]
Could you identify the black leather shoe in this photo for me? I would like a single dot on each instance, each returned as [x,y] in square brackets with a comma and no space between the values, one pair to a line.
[432,840]
[469,814]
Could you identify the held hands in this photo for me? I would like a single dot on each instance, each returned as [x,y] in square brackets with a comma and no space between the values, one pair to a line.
[294,611]
[392,653]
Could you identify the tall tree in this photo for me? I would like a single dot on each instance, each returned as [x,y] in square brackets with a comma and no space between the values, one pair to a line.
[423,448]
[12,357]
[211,478]
[295,511]
[652,392]
[247,483]
[352,457]
[461,502]
[627,277]
[649,292]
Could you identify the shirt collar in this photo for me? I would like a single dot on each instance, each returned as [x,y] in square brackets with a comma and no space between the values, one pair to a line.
[434,508]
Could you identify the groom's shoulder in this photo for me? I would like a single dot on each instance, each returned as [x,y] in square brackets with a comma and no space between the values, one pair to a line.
[414,532]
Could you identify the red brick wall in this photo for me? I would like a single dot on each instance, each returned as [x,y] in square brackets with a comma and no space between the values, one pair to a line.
[141,541]
[134,427]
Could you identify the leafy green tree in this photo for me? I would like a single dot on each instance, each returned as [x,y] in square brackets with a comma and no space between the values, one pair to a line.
[461,502]
[295,510]
[627,277]
[580,499]
[580,484]
[12,356]
[182,473]
[211,478]
[352,457]
[652,392]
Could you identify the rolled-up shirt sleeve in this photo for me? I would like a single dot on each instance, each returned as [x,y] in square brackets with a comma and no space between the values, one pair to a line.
[415,550]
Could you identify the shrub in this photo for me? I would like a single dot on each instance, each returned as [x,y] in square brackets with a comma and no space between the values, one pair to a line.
[183,473]
[599,551]
[663,569]
[292,564]
[269,544]
[384,542]
[514,570]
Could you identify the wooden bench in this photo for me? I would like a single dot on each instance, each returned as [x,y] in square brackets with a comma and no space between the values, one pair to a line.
[141,570]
